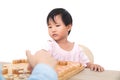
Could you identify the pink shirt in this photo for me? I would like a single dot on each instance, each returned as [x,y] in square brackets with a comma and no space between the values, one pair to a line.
[75,55]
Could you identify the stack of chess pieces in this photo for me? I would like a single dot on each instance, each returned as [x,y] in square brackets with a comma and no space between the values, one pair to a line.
[18,70]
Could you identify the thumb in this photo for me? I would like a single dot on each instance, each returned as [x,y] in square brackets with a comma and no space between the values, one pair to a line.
[28,54]
[29,57]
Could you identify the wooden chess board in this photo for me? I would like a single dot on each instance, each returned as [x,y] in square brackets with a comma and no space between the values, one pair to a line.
[18,70]
[65,70]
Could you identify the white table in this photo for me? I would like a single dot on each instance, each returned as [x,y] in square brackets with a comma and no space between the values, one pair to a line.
[87,74]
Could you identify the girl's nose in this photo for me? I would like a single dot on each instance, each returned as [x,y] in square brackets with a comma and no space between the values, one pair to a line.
[53,29]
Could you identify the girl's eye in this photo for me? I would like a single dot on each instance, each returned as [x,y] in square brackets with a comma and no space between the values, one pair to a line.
[49,27]
[57,25]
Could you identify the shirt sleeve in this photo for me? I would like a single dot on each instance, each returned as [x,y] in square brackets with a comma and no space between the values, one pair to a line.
[84,59]
[1,76]
[43,72]
[48,46]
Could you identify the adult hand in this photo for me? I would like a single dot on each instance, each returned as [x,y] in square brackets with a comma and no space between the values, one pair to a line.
[39,57]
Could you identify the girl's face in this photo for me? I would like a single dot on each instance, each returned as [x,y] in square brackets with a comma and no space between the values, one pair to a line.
[57,29]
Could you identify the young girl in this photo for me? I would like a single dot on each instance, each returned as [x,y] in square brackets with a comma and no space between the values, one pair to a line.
[59,23]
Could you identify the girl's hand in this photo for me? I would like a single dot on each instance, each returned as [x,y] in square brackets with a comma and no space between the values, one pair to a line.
[95,67]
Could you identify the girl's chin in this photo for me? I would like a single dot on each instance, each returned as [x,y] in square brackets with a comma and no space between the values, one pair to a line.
[56,39]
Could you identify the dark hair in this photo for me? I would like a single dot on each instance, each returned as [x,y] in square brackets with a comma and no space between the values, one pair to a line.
[65,15]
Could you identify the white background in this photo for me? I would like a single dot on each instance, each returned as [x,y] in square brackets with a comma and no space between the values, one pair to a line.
[96,25]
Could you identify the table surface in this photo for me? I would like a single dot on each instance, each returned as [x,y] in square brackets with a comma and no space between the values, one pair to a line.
[87,74]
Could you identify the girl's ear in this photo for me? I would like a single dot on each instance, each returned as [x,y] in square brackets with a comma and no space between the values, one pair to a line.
[69,27]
